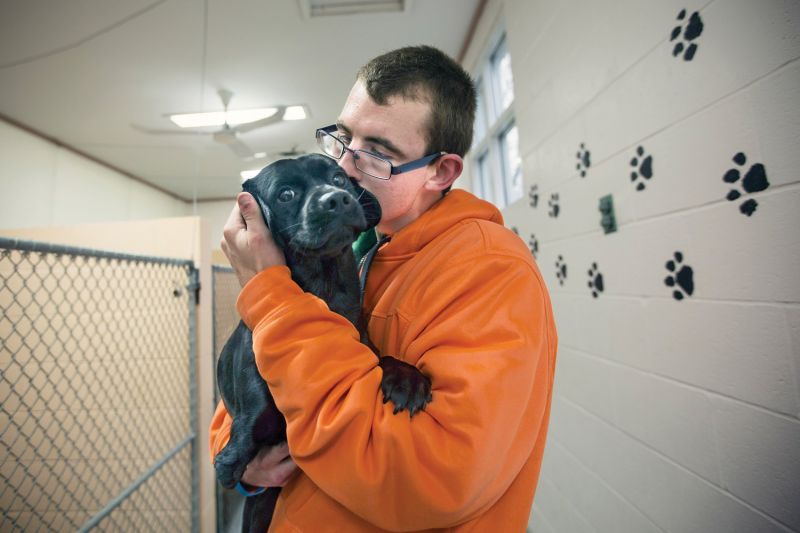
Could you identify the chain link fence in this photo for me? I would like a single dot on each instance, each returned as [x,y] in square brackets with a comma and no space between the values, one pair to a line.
[97,391]
[226,289]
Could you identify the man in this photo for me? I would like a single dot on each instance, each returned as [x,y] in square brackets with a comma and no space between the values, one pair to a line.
[450,290]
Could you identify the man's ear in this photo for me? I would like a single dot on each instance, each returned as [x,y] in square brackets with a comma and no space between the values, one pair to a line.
[447,169]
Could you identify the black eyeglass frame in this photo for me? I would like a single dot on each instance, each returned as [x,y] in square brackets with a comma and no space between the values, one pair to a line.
[393,170]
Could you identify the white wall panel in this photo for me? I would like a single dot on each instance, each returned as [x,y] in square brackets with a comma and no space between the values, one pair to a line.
[27,170]
[684,412]
[758,453]
[84,193]
[777,118]
[42,184]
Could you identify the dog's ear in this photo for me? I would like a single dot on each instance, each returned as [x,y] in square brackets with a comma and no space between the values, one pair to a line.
[369,203]
[256,186]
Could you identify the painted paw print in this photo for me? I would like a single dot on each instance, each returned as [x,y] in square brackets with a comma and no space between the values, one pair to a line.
[561,270]
[692,30]
[553,204]
[681,277]
[533,245]
[584,160]
[642,168]
[755,180]
[595,281]
[533,196]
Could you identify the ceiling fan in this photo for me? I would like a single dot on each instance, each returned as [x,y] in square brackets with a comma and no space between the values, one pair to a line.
[260,159]
[294,151]
[233,123]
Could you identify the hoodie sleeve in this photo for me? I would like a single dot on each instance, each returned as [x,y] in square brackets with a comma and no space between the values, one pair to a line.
[487,341]
[220,430]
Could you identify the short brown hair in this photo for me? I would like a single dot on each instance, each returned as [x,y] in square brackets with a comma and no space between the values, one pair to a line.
[428,74]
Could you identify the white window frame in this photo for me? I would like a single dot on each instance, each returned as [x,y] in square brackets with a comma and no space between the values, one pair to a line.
[491,125]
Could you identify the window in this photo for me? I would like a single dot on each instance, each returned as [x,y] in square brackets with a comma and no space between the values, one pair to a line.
[484,175]
[495,148]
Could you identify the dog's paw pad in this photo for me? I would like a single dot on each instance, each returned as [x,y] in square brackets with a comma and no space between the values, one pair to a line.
[554,207]
[533,245]
[584,157]
[686,31]
[561,270]
[404,385]
[595,283]
[754,180]
[641,168]
[680,277]
[533,196]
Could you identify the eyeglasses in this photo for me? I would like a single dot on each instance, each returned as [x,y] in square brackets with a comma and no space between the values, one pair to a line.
[367,162]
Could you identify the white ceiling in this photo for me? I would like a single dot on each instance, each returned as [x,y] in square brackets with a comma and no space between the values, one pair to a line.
[82,71]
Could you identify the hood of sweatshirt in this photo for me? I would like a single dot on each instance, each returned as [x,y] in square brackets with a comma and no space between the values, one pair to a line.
[457,206]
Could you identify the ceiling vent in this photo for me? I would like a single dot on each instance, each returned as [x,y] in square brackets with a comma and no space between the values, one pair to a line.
[327,8]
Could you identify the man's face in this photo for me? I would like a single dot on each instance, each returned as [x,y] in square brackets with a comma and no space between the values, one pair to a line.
[395,131]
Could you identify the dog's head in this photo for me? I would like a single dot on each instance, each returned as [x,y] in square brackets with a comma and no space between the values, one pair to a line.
[311,206]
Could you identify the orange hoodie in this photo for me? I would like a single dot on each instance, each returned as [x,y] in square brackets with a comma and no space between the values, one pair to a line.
[459,296]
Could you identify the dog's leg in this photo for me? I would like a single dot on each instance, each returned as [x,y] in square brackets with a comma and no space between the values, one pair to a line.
[231,462]
[258,511]
[256,420]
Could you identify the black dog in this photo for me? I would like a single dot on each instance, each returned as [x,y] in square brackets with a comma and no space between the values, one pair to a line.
[314,212]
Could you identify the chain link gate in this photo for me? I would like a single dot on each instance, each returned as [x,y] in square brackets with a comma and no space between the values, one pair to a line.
[225,291]
[97,390]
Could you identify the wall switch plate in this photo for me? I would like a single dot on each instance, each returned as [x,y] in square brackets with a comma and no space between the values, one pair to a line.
[608,220]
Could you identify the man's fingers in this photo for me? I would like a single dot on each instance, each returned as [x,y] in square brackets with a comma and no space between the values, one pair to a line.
[281,473]
[233,224]
[272,467]
[250,211]
[279,452]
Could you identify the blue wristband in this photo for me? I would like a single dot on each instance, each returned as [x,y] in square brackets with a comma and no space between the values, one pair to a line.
[244,492]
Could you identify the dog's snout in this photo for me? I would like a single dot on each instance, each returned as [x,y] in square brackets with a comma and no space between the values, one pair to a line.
[335,201]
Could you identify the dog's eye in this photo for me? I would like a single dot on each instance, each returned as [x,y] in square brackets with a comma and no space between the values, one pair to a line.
[338,180]
[286,195]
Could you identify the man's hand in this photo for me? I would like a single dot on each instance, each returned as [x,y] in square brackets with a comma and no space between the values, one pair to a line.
[271,467]
[247,242]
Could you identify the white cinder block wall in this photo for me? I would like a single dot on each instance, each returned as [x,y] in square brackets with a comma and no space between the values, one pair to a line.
[676,405]
[42,184]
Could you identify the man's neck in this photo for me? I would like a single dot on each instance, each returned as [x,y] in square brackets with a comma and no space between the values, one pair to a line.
[416,211]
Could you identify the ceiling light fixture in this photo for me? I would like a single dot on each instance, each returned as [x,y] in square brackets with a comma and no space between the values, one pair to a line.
[323,8]
[247,174]
[295,112]
[218,118]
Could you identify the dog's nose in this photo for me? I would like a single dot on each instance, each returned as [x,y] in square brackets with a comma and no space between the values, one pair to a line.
[335,202]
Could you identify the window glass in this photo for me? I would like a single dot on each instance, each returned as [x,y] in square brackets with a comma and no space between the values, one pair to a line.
[485,177]
[497,162]
[512,163]
[502,77]
[480,115]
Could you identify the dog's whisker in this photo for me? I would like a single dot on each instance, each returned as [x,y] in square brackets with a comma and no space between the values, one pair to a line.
[293,226]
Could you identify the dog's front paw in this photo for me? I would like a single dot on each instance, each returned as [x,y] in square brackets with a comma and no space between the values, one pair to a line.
[404,385]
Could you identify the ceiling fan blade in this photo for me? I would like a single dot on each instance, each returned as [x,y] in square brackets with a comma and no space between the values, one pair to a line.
[229,139]
[250,126]
[156,131]
[240,149]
